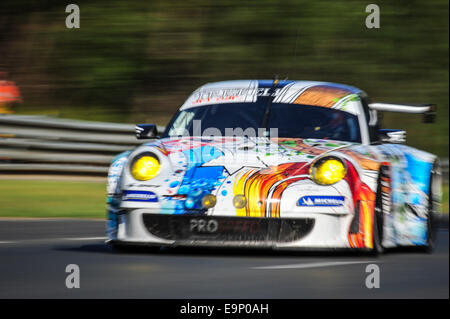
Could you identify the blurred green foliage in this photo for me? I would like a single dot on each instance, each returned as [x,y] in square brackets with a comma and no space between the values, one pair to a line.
[138,60]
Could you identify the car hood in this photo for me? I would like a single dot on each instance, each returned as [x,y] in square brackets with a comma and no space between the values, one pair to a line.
[259,168]
[234,153]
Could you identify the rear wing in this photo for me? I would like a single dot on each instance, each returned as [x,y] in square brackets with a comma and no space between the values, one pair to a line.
[428,110]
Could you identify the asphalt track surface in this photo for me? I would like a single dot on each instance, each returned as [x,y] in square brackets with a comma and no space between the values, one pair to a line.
[34,255]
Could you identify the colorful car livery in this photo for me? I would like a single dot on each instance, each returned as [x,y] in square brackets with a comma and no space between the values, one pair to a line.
[276,164]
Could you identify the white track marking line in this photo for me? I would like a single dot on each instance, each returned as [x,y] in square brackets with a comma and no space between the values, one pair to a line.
[315,265]
[83,238]
[51,240]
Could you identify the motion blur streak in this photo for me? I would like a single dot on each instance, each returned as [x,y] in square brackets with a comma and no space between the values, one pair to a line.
[168,273]
[138,60]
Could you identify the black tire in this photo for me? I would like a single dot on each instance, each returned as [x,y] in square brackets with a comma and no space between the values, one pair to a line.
[378,222]
[432,210]
[377,233]
[119,248]
[431,235]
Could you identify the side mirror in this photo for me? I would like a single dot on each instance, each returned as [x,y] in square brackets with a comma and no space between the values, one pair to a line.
[146,131]
[392,136]
[430,115]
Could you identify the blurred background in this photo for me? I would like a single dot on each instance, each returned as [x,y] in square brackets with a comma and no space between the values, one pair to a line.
[137,61]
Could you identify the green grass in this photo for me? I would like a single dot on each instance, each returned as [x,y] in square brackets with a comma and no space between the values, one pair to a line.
[445,198]
[70,199]
[38,198]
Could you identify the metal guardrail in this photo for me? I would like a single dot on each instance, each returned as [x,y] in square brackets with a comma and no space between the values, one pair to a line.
[31,144]
[41,144]
[444,166]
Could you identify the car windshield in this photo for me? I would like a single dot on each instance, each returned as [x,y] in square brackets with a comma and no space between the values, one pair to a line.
[290,120]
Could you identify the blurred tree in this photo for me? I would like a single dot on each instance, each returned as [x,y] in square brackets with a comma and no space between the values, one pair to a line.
[138,61]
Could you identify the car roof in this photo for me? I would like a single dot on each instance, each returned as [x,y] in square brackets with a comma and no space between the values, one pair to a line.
[316,93]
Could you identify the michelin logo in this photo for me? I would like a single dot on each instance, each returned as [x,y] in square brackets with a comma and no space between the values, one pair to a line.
[322,201]
[139,196]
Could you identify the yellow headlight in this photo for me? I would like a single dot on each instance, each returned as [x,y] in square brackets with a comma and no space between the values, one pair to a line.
[328,171]
[144,168]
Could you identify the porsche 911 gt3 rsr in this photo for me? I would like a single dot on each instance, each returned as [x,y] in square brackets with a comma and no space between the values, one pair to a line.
[276,164]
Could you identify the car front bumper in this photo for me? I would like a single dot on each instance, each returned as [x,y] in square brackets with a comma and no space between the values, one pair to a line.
[150,227]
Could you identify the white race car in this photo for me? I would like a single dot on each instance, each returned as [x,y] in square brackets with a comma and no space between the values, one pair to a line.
[276,164]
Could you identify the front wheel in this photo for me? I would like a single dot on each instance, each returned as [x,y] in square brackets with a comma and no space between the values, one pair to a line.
[378,223]
[377,232]
[434,194]
[120,248]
